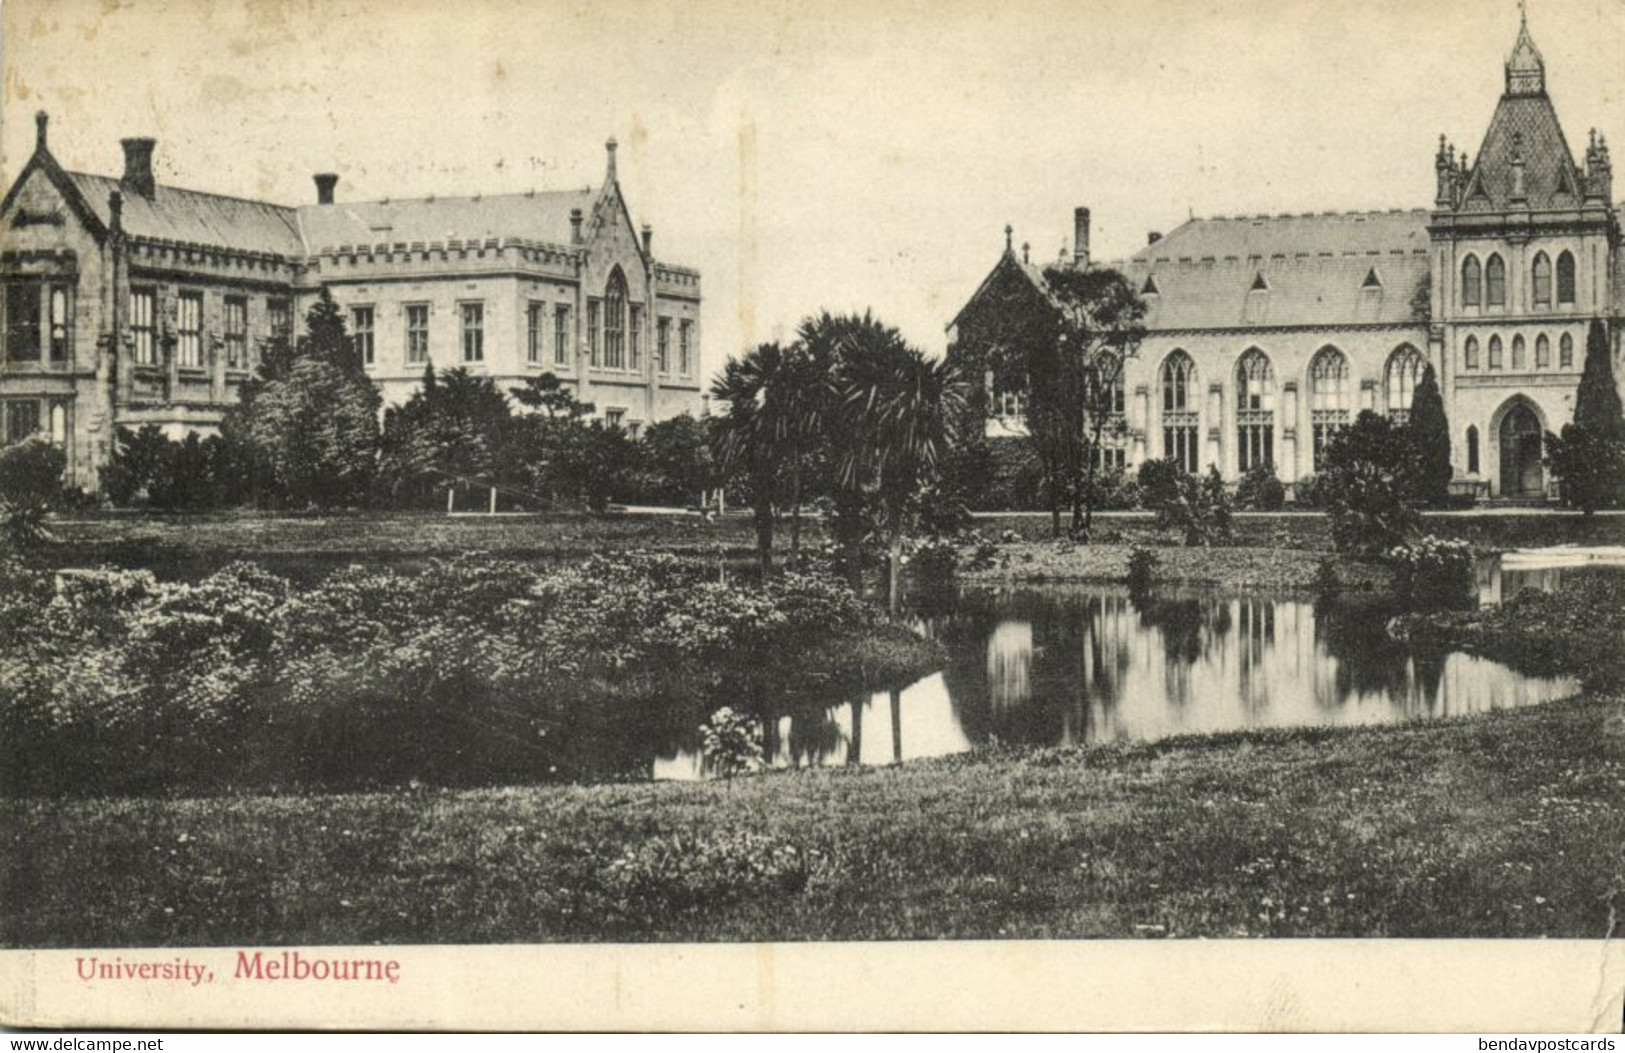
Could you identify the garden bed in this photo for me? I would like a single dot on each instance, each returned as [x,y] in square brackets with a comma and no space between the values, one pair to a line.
[1226,567]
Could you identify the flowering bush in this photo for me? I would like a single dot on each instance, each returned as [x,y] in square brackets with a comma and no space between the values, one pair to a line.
[933,558]
[1435,572]
[459,673]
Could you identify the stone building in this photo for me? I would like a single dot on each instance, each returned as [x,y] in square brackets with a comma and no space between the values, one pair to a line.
[1265,333]
[125,302]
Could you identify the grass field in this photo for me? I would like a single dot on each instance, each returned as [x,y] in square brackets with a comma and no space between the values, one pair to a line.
[1507,825]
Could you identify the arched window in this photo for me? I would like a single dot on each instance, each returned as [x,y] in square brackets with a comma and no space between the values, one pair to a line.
[1179,423]
[1328,398]
[1520,360]
[1108,375]
[1404,370]
[615,321]
[1543,352]
[1541,273]
[1255,410]
[1495,352]
[1565,278]
[1565,352]
[1472,450]
[1469,354]
[1495,282]
[1472,283]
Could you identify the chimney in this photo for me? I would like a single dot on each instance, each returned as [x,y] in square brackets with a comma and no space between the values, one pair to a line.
[115,211]
[609,152]
[575,226]
[41,122]
[1153,237]
[138,166]
[648,239]
[325,182]
[1080,237]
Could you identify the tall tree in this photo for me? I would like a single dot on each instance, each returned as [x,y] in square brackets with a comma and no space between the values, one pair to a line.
[1427,440]
[1069,361]
[748,433]
[1588,455]
[311,416]
[1596,403]
[902,412]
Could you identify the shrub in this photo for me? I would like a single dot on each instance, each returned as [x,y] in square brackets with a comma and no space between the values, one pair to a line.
[1365,486]
[1435,572]
[1142,563]
[687,871]
[934,558]
[1308,492]
[1259,489]
[733,743]
[30,488]
[1328,580]
[1589,465]
[1199,507]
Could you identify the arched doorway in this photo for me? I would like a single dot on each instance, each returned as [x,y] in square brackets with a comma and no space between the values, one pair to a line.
[1521,472]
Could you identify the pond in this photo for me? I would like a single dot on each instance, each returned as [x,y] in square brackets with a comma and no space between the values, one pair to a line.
[1054,665]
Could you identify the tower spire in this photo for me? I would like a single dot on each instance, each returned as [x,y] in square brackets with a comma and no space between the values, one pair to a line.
[1526,70]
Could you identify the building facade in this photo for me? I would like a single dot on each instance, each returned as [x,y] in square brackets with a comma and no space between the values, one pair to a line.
[125,302]
[1266,333]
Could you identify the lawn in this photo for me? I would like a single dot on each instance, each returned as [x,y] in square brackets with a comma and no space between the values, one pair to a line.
[1506,825]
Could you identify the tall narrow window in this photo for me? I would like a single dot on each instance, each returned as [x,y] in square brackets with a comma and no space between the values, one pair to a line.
[594,308]
[189,330]
[1565,352]
[279,318]
[22,419]
[1472,450]
[615,321]
[1543,352]
[634,337]
[535,332]
[1495,282]
[1404,371]
[417,334]
[362,333]
[1472,283]
[1495,352]
[236,332]
[1469,353]
[58,432]
[1255,410]
[1541,278]
[663,345]
[1520,358]
[1328,400]
[473,332]
[1565,278]
[685,348]
[23,322]
[561,336]
[61,323]
[1179,423]
[143,306]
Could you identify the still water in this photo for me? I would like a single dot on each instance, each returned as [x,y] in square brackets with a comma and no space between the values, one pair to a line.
[1061,665]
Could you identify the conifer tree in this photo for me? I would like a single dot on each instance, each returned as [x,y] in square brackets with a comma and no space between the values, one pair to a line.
[1427,438]
[1596,404]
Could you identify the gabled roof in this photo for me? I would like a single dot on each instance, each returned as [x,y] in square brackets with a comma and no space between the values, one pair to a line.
[1524,126]
[1009,265]
[1257,271]
[542,216]
[195,217]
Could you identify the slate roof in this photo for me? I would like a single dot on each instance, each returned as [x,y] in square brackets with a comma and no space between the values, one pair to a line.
[1551,180]
[542,216]
[1316,270]
[195,217]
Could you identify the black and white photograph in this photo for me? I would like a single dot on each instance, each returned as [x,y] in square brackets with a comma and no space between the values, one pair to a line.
[527,478]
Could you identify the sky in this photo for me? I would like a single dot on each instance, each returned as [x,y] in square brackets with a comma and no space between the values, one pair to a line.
[845,154]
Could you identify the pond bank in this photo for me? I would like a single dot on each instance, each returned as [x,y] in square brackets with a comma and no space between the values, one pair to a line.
[1226,567]
[1502,825]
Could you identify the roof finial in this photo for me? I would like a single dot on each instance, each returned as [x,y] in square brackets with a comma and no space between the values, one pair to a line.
[609,151]
[1009,232]
[1526,71]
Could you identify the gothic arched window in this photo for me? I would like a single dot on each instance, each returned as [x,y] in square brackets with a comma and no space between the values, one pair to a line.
[615,321]
[1328,398]
[1565,352]
[1472,283]
[1543,352]
[1495,352]
[1469,354]
[1255,410]
[1565,278]
[1495,282]
[1404,370]
[1179,423]
[1472,450]
[1520,359]
[1541,274]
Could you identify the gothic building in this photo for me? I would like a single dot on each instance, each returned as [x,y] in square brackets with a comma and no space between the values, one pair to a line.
[125,302]
[1265,333]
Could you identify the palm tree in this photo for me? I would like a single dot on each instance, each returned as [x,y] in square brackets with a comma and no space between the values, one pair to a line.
[900,416]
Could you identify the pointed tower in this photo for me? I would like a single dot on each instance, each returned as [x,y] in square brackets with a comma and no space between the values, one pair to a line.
[1526,70]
